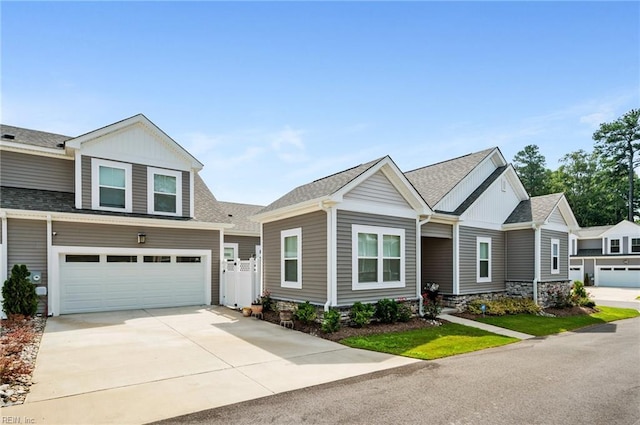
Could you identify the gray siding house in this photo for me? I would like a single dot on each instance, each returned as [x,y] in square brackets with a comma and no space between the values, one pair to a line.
[114,219]
[242,241]
[607,255]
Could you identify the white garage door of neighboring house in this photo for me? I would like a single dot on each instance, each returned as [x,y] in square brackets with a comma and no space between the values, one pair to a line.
[101,282]
[575,273]
[622,276]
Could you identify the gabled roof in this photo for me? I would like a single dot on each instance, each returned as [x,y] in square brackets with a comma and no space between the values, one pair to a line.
[480,190]
[592,232]
[536,210]
[32,137]
[433,182]
[625,227]
[207,208]
[319,188]
[239,215]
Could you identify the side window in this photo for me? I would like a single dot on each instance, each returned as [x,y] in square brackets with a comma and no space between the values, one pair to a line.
[555,256]
[291,258]
[483,249]
[164,191]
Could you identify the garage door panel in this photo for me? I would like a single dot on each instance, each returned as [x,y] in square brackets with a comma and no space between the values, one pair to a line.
[626,277]
[106,286]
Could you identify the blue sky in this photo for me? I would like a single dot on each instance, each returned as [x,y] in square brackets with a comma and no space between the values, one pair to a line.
[271,95]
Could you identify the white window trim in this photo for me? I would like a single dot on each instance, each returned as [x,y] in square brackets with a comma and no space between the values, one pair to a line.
[619,239]
[95,184]
[151,171]
[480,240]
[555,242]
[631,238]
[235,250]
[380,231]
[284,234]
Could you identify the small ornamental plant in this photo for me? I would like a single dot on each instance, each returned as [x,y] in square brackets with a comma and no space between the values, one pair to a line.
[331,321]
[361,314]
[431,308]
[306,312]
[18,293]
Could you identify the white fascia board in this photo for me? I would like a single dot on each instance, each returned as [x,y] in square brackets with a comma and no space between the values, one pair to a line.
[444,218]
[519,226]
[567,213]
[77,142]
[235,232]
[481,225]
[293,210]
[555,226]
[34,150]
[113,220]
[368,208]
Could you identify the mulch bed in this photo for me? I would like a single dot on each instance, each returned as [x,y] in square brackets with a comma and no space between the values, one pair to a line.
[558,312]
[348,331]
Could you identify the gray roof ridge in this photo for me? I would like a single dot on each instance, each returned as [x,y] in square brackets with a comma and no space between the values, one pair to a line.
[488,150]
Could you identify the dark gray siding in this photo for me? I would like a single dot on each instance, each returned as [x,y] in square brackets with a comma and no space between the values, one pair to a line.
[437,230]
[437,263]
[468,261]
[314,257]
[138,185]
[36,172]
[344,272]
[27,244]
[545,255]
[246,244]
[105,235]
[520,255]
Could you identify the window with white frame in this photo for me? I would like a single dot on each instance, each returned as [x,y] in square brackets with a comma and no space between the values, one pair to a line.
[483,249]
[110,185]
[164,191]
[635,245]
[291,258]
[555,256]
[614,246]
[378,257]
[230,251]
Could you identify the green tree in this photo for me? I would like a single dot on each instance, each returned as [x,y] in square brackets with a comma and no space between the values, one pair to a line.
[619,141]
[18,293]
[530,165]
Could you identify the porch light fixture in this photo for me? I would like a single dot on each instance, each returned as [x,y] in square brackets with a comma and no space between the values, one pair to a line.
[142,237]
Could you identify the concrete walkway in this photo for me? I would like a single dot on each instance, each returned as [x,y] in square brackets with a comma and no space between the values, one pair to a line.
[141,366]
[484,326]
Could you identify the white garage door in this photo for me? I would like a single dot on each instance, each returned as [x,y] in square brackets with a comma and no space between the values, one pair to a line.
[575,273]
[101,282]
[619,276]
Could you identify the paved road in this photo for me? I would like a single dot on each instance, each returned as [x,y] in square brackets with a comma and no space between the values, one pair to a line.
[590,376]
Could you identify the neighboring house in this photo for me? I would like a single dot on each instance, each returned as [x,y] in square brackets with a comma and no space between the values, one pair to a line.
[372,232]
[608,255]
[243,240]
[117,218]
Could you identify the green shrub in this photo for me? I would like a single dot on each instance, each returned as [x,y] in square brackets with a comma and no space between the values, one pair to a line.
[19,293]
[306,313]
[580,296]
[431,308]
[331,321]
[404,312]
[387,311]
[504,305]
[266,301]
[361,314]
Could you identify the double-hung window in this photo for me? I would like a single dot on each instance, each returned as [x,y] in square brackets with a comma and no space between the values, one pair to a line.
[164,191]
[635,244]
[291,258]
[110,185]
[483,260]
[378,257]
[614,246]
[555,256]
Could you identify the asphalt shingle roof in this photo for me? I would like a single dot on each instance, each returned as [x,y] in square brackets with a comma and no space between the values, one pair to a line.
[32,137]
[239,215]
[593,231]
[322,187]
[433,182]
[207,208]
[536,209]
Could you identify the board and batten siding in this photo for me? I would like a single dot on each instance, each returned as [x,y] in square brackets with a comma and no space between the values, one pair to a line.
[314,257]
[346,295]
[437,263]
[246,244]
[105,235]
[437,230]
[36,172]
[466,187]
[545,255]
[27,244]
[378,189]
[521,255]
[469,263]
[138,187]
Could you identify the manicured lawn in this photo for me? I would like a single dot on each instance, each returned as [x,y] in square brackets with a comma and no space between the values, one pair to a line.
[541,326]
[430,343]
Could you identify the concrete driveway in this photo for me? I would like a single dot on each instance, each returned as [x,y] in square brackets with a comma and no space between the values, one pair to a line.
[144,365]
[615,297]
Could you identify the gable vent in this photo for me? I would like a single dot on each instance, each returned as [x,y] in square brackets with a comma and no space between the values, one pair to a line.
[8,136]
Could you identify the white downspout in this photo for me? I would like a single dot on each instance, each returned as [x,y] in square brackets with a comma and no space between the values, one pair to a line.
[419,264]
[221,278]
[50,259]
[3,258]
[456,258]
[537,257]
[330,266]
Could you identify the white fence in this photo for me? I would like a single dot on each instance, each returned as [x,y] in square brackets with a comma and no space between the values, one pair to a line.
[240,282]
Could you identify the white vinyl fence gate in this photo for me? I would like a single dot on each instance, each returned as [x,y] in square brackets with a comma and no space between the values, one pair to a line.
[241,282]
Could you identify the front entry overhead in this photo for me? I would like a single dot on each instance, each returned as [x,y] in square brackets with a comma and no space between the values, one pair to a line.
[95,281]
